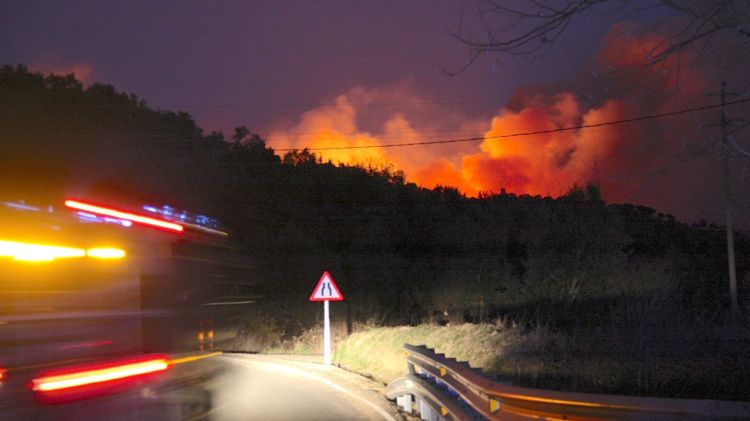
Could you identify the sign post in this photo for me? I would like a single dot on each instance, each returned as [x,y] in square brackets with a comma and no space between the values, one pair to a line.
[326,291]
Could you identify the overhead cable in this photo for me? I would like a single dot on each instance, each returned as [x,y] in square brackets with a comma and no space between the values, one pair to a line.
[531,133]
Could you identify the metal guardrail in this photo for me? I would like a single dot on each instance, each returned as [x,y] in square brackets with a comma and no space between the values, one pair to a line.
[450,386]
[431,402]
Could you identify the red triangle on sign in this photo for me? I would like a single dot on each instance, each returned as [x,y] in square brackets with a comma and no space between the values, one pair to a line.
[326,290]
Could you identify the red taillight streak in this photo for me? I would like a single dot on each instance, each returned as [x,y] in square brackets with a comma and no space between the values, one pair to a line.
[101,210]
[101,375]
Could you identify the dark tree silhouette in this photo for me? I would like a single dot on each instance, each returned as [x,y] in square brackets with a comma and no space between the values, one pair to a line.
[404,253]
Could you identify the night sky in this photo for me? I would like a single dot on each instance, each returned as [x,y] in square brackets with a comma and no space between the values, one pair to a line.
[337,73]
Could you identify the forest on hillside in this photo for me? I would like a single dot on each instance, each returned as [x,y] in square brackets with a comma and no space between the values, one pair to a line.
[402,254]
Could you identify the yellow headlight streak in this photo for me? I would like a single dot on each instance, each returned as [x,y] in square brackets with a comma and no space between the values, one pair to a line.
[105,253]
[46,253]
[37,252]
[191,358]
[65,381]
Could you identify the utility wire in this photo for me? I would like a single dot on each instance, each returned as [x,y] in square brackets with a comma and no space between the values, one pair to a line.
[532,133]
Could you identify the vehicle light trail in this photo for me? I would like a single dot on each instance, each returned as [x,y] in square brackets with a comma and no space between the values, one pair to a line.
[29,252]
[140,219]
[37,252]
[191,358]
[105,253]
[85,377]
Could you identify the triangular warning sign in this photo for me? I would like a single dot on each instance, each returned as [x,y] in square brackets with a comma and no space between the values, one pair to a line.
[326,290]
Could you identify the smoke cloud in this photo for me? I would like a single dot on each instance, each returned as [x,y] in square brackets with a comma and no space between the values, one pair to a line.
[51,63]
[669,163]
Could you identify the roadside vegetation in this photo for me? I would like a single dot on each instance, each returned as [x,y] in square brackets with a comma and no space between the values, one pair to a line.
[651,359]
[570,292]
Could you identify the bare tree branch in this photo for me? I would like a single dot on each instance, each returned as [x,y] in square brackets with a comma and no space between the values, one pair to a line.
[737,146]
[523,30]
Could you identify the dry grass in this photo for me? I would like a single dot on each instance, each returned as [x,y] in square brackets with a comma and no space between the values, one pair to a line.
[652,346]
[310,341]
[379,352]
[646,362]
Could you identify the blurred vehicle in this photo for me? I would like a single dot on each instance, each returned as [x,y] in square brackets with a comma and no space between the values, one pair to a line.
[110,311]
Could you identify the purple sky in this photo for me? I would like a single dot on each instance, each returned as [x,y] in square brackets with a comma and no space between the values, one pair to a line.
[261,63]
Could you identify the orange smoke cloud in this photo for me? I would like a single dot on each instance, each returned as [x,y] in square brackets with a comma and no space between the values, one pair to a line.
[488,174]
[442,172]
[617,157]
[537,164]
[545,164]
[54,64]
[333,127]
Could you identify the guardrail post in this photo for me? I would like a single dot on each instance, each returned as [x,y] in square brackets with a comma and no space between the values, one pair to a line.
[426,412]
[404,402]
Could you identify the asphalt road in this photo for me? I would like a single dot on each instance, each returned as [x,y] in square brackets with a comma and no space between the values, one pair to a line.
[260,387]
[223,388]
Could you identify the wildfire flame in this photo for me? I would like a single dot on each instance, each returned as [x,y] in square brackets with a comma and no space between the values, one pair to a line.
[623,159]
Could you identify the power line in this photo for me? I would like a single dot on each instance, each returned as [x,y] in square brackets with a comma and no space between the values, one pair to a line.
[531,133]
[390,135]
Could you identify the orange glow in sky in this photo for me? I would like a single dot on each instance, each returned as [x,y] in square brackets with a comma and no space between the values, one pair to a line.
[546,164]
